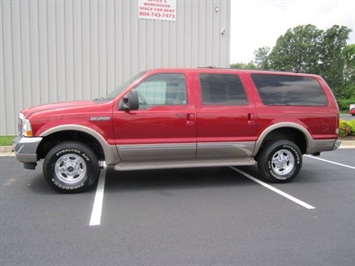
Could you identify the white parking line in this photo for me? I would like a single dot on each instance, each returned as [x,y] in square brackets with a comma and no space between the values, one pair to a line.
[300,202]
[340,164]
[97,207]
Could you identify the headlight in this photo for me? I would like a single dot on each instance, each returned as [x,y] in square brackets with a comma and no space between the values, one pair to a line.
[24,126]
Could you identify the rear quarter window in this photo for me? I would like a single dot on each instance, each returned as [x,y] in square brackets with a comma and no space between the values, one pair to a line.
[289,90]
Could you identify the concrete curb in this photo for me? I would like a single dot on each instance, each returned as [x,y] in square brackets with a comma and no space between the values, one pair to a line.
[8,150]
[347,144]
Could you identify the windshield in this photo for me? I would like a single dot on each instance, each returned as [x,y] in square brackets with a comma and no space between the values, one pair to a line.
[124,86]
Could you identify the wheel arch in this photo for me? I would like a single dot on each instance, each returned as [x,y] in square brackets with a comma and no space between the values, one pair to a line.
[82,134]
[288,131]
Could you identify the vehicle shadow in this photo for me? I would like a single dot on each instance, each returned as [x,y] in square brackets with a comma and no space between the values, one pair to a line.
[39,185]
[189,178]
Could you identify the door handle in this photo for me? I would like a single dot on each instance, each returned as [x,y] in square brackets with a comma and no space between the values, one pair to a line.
[190,119]
[251,119]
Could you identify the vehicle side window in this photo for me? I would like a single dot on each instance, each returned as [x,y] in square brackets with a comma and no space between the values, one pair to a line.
[289,90]
[222,89]
[162,89]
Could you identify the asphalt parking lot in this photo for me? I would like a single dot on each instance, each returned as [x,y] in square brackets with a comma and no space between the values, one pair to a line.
[204,216]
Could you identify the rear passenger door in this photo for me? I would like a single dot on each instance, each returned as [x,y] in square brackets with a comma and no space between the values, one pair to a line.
[225,122]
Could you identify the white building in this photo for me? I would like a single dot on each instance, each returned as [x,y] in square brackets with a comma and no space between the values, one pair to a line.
[62,50]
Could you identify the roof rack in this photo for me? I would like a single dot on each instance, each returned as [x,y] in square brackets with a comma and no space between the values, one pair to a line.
[213,67]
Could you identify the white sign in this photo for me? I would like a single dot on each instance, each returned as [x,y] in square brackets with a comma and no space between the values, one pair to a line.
[157,9]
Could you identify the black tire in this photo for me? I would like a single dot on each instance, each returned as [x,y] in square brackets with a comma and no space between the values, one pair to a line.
[280,161]
[71,167]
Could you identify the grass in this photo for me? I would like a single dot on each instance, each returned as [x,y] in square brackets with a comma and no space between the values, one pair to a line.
[6,140]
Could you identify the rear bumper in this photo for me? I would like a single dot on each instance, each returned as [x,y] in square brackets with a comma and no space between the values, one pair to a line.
[316,146]
[26,149]
[336,144]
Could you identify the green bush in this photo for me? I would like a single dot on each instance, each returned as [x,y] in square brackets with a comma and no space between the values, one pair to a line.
[344,104]
[352,127]
[346,128]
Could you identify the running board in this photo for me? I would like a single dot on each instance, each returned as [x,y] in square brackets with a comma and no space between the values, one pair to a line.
[126,166]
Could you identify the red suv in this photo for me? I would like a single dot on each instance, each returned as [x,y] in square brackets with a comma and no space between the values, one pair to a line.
[171,118]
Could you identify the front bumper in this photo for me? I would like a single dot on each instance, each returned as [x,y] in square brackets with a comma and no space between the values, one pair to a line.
[26,149]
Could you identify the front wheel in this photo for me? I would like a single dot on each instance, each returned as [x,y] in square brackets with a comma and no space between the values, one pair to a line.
[71,167]
[280,161]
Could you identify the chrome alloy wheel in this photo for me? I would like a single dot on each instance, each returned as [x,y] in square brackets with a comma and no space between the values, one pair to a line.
[70,168]
[282,162]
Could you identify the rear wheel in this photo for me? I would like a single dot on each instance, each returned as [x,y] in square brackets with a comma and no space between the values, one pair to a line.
[71,167]
[280,161]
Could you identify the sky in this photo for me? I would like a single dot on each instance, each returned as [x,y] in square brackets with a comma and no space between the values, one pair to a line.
[258,23]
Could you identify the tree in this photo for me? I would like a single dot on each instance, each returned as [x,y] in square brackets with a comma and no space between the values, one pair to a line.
[262,58]
[250,65]
[349,73]
[332,56]
[297,50]
[310,50]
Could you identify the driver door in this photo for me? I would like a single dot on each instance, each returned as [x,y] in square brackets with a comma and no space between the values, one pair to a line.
[163,127]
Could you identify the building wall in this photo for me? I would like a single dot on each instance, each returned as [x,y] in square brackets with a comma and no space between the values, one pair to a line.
[61,50]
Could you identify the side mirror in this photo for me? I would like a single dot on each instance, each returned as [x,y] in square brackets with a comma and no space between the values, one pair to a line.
[129,102]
